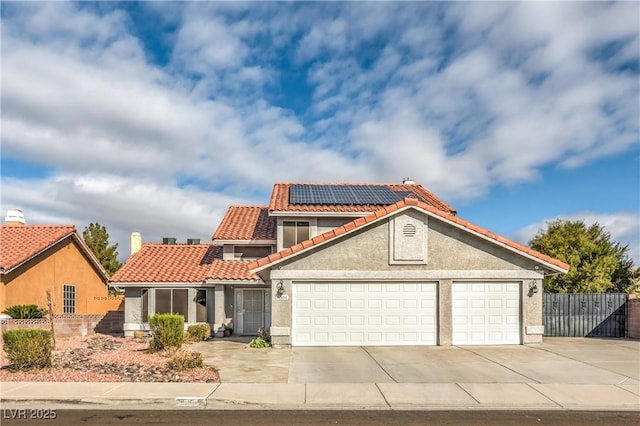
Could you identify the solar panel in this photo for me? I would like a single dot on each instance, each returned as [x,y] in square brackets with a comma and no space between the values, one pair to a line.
[345,194]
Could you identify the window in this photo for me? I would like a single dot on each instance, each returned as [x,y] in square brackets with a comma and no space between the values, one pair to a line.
[201,306]
[145,304]
[174,301]
[69,299]
[294,233]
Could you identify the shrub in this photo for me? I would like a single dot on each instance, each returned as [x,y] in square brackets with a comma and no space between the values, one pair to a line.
[259,342]
[28,348]
[167,331]
[198,332]
[24,312]
[185,360]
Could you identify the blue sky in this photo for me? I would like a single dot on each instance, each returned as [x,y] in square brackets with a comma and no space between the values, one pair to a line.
[155,117]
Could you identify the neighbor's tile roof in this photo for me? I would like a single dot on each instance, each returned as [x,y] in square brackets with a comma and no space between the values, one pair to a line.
[280,199]
[246,223]
[20,243]
[386,211]
[180,263]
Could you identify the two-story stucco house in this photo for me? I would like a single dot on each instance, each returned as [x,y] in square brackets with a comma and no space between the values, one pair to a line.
[347,264]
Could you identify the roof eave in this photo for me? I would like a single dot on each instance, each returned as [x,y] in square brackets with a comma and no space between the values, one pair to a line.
[298,213]
[247,242]
[212,281]
[125,284]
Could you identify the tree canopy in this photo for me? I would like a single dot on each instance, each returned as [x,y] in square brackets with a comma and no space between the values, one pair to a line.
[598,264]
[97,238]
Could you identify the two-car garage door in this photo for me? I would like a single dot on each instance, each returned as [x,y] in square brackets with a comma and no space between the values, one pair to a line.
[364,314]
[390,313]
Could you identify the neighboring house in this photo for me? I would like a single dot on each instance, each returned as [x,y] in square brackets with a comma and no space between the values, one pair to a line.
[37,258]
[348,264]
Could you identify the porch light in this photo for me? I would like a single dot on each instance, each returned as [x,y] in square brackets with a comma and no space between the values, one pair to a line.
[533,288]
[279,289]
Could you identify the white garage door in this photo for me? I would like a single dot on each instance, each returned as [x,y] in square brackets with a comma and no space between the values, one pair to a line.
[486,313]
[355,314]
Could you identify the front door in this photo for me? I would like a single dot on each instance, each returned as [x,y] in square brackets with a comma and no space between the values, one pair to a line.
[252,310]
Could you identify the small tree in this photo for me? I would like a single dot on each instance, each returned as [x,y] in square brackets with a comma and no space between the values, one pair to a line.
[97,238]
[597,264]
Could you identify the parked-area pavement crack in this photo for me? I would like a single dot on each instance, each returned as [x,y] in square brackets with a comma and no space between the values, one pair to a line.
[496,362]
[379,365]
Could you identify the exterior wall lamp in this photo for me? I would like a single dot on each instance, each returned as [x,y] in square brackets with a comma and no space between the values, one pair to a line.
[533,288]
[279,290]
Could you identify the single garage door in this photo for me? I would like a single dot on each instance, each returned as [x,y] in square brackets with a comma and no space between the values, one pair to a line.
[486,313]
[361,314]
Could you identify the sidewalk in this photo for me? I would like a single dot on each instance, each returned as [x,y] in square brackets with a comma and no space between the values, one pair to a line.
[381,396]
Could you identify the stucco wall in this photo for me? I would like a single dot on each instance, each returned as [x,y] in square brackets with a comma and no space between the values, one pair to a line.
[452,255]
[64,264]
[447,248]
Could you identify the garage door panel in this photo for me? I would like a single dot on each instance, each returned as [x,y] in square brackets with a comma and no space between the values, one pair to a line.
[364,314]
[486,313]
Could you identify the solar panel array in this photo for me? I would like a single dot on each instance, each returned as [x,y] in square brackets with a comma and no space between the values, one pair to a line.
[345,194]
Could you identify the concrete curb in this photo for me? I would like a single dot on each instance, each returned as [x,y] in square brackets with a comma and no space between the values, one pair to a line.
[322,396]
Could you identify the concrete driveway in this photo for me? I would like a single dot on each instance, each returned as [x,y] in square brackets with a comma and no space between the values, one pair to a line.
[558,360]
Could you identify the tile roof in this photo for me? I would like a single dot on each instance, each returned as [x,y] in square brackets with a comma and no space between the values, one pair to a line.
[20,243]
[246,223]
[280,199]
[388,210]
[231,270]
[180,263]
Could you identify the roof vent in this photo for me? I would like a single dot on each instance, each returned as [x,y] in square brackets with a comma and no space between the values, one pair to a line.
[14,217]
[193,241]
[408,181]
[169,240]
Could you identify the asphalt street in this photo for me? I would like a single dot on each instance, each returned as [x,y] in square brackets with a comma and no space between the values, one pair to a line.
[330,417]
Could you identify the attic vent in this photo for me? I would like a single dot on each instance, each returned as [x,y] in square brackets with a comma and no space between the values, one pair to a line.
[193,241]
[409,230]
[169,240]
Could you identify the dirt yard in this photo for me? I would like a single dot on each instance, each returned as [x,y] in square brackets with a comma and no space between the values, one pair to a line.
[101,358]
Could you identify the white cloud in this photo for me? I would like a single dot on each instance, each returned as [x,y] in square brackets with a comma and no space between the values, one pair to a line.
[624,227]
[461,97]
[123,205]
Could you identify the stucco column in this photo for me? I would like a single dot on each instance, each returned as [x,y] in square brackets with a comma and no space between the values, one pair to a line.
[445,329]
[219,313]
[532,328]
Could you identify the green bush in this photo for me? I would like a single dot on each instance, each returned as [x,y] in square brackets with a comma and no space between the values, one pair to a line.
[198,332]
[28,348]
[24,312]
[185,360]
[259,342]
[167,331]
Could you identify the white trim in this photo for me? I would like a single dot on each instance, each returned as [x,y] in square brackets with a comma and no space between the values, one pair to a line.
[247,242]
[403,275]
[320,214]
[234,282]
[158,284]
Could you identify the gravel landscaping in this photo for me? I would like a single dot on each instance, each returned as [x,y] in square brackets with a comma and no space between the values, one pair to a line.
[102,358]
